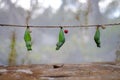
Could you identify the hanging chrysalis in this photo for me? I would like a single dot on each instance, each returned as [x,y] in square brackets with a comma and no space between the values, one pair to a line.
[61,39]
[27,38]
[97,37]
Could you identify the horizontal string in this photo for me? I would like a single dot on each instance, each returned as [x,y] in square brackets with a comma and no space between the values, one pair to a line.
[65,26]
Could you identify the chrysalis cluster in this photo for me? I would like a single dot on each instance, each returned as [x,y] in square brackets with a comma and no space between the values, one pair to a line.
[61,38]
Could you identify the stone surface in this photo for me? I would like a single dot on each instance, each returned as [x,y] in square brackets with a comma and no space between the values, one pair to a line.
[88,71]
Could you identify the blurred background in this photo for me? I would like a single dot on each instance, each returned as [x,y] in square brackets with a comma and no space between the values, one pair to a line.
[79,46]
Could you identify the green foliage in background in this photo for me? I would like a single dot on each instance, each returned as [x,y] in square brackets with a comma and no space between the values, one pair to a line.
[13,55]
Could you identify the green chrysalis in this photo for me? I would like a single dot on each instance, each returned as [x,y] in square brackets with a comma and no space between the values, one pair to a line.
[61,39]
[27,38]
[97,37]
